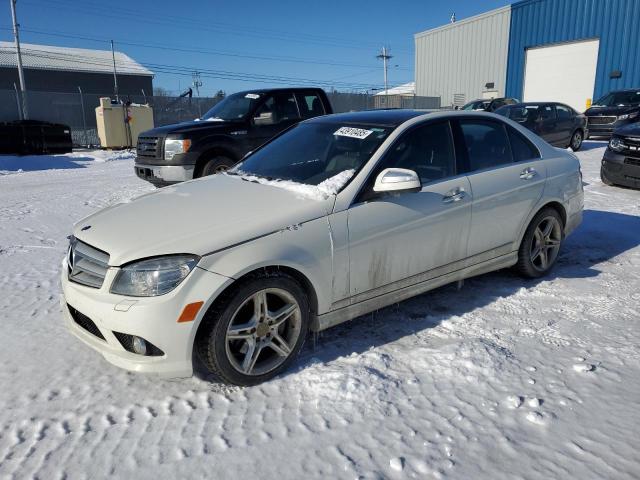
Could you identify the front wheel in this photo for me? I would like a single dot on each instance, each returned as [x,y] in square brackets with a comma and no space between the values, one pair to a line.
[541,244]
[256,332]
[576,140]
[215,165]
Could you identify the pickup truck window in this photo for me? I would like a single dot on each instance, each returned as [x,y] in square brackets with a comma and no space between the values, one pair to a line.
[279,107]
[311,153]
[233,107]
[310,105]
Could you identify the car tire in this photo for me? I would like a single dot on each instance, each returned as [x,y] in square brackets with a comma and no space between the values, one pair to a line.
[576,140]
[604,178]
[217,164]
[255,332]
[541,244]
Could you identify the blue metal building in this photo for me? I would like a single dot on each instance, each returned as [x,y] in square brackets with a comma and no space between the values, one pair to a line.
[571,51]
[615,23]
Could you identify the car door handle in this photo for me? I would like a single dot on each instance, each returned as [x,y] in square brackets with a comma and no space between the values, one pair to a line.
[454,195]
[528,173]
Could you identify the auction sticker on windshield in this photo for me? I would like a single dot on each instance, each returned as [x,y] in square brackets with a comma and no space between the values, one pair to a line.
[252,96]
[360,133]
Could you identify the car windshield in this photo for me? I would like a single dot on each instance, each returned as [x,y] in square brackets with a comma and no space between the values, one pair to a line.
[619,99]
[233,107]
[312,153]
[476,105]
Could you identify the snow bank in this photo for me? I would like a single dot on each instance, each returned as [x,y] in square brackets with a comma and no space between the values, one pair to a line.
[10,164]
[330,186]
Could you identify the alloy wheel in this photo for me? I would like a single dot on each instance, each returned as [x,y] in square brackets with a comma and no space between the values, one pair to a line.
[546,243]
[576,141]
[263,331]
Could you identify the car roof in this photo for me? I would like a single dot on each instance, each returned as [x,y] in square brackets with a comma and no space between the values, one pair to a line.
[386,118]
[272,90]
[533,104]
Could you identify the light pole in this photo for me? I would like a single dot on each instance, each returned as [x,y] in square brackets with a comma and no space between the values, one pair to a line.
[16,36]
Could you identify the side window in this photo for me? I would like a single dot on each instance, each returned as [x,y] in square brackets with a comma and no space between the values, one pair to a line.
[310,105]
[427,150]
[522,148]
[281,107]
[547,112]
[563,112]
[487,144]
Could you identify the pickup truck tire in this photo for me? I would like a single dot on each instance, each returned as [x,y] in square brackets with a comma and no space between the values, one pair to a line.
[217,164]
[255,331]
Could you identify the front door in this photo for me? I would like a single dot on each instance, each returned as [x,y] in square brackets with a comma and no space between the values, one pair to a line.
[401,235]
[507,178]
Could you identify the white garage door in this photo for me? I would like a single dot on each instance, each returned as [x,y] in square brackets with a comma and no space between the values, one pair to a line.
[561,73]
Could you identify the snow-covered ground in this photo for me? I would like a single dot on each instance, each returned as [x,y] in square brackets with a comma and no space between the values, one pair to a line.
[504,379]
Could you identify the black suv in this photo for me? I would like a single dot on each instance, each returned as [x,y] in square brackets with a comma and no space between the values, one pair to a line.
[225,134]
[621,162]
[614,110]
[489,105]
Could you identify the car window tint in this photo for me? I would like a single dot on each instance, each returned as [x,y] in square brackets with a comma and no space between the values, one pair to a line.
[563,112]
[282,107]
[427,150]
[547,112]
[486,142]
[310,105]
[521,148]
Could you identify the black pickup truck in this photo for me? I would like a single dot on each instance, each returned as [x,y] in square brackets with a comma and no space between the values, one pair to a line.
[225,134]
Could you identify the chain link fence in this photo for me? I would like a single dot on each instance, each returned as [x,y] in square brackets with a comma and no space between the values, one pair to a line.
[77,110]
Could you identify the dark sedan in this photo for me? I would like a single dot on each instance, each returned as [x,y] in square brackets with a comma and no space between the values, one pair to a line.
[621,162]
[489,104]
[557,123]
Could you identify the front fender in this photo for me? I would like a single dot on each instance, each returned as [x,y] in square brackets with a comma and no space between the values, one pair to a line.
[306,248]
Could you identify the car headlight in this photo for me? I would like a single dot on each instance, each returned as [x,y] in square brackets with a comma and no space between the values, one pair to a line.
[616,144]
[154,276]
[628,115]
[173,146]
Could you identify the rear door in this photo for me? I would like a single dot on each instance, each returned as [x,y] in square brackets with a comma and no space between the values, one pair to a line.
[566,121]
[507,178]
[549,124]
[398,236]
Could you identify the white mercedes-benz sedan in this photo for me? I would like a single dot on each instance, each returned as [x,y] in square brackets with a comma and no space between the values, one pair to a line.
[336,217]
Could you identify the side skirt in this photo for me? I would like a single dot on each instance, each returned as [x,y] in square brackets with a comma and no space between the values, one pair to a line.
[349,312]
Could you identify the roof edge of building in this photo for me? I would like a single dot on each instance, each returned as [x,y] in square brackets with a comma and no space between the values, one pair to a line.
[57,69]
[480,16]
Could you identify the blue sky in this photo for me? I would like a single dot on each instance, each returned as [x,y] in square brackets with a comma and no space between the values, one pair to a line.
[333,42]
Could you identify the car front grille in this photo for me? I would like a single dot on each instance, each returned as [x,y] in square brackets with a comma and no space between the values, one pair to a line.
[632,161]
[86,265]
[148,147]
[85,322]
[602,120]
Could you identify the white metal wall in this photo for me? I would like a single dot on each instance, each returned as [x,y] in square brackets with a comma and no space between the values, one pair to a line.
[460,58]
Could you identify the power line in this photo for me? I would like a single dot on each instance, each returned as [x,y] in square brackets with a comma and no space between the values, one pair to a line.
[184,22]
[197,50]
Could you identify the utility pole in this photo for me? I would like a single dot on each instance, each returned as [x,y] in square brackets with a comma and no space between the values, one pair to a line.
[115,73]
[16,36]
[385,56]
[197,83]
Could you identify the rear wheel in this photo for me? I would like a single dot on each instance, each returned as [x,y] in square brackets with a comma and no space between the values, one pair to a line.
[215,165]
[541,244]
[576,140]
[255,333]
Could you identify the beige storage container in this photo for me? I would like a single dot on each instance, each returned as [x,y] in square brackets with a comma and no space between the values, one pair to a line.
[119,125]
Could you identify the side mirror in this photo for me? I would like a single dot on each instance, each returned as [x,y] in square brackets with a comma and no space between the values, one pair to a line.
[265,118]
[397,180]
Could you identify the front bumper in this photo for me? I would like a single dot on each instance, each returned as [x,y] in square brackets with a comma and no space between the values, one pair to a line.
[164,174]
[621,169]
[152,318]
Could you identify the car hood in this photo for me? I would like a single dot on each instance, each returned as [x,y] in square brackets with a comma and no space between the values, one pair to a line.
[189,127]
[607,111]
[199,217]
[632,130]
